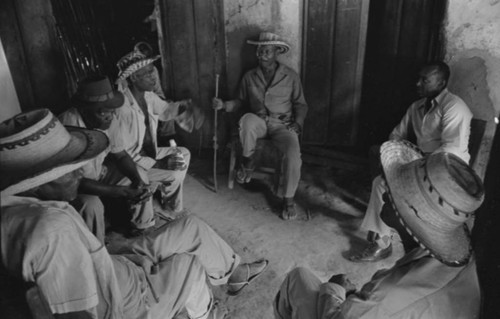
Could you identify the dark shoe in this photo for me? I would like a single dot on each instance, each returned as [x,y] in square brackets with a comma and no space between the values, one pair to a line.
[243,175]
[372,253]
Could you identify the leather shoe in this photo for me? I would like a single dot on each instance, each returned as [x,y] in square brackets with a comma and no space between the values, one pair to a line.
[372,253]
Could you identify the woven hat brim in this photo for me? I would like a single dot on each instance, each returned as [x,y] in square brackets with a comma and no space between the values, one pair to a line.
[96,142]
[283,46]
[451,247]
[134,67]
[113,103]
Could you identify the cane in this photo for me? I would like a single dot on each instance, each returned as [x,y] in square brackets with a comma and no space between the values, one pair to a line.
[215,132]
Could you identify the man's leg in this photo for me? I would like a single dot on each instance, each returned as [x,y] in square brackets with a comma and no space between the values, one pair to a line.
[252,127]
[288,143]
[298,296]
[189,235]
[381,242]
[171,191]
[92,211]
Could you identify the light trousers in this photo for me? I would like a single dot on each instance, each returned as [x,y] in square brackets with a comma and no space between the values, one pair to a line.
[372,220]
[252,127]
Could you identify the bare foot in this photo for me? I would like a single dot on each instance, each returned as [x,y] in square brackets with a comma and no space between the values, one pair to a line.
[219,311]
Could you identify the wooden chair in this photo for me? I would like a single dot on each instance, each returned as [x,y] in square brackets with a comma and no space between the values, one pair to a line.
[477,157]
[268,161]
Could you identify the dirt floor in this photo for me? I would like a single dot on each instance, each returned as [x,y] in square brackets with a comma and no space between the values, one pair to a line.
[332,205]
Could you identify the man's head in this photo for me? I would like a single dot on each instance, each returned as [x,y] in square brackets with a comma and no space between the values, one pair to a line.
[432,79]
[433,197]
[97,101]
[138,70]
[40,155]
[269,46]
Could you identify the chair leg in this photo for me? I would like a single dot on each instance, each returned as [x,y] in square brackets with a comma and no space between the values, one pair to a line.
[232,164]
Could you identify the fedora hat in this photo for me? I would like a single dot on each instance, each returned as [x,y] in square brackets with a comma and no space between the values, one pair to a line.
[35,148]
[97,92]
[433,196]
[132,62]
[268,38]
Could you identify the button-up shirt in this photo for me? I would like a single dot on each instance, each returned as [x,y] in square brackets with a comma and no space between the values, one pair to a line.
[132,128]
[418,286]
[94,169]
[283,98]
[444,128]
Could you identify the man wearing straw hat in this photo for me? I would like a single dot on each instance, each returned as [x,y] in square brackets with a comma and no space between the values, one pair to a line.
[274,95]
[45,241]
[433,197]
[95,103]
[137,123]
[440,122]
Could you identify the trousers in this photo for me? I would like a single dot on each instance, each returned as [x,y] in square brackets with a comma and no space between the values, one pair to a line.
[372,220]
[252,127]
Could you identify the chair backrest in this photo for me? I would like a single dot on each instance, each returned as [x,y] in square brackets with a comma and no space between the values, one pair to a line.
[477,129]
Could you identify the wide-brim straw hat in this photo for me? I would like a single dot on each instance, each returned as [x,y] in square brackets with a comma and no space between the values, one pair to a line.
[268,38]
[35,148]
[132,62]
[433,196]
[97,92]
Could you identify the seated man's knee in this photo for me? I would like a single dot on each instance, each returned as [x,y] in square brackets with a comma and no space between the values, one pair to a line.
[248,121]
[92,206]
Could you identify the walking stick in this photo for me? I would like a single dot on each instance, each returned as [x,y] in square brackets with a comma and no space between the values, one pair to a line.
[215,132]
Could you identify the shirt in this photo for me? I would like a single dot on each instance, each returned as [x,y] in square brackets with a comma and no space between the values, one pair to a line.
[94,169]
[418,286]
[444,128]
[48,243]
[282,99]
[132,128]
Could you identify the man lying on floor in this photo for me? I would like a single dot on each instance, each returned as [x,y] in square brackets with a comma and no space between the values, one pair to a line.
[433,197]
[45,241]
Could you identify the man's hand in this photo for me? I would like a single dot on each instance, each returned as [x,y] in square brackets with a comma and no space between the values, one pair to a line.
[295,127]
[217,104]
[342,280]
[172,162]
[135,195]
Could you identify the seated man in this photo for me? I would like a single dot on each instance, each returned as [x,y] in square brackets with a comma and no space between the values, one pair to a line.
[277,109]
[45,241]
[433,197]
[94,106]
[137,123]
[440,121]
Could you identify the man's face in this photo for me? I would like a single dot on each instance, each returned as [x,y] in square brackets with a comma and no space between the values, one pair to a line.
[98,117]
[144,79]
[65,188]
[430,82]
[267,54]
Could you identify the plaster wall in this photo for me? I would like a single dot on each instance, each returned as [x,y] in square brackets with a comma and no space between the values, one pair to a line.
[472,34]
[245,19]
[10,103]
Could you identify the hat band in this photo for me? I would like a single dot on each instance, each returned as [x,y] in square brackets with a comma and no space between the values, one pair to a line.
[97,98]
[33,137]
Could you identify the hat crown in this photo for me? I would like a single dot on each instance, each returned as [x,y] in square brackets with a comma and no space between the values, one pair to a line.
[129,59]
[30,138]
[268,36]
[97,89]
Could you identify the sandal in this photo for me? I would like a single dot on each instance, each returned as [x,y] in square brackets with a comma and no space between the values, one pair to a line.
[238,286]
[243,174]
[218,311]
[289,212]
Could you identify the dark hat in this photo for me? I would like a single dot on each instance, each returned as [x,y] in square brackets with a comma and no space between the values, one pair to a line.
[97,92]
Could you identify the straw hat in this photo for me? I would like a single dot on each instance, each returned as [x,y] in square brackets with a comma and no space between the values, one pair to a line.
[132,62]
[433,196]
[35,148]
[268,38]
[97,92]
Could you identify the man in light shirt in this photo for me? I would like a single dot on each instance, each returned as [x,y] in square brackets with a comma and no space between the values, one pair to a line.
[94,106]
[137,124]
[440,121]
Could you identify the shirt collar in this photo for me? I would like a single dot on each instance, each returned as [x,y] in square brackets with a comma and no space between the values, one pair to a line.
[437,100]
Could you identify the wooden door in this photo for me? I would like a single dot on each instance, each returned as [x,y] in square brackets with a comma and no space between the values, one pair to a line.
[402,36]
[334,47]
[192,46]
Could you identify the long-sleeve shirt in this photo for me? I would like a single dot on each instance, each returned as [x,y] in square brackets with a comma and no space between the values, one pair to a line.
[283,98]
[132,128]
[444,128]
[418,286]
